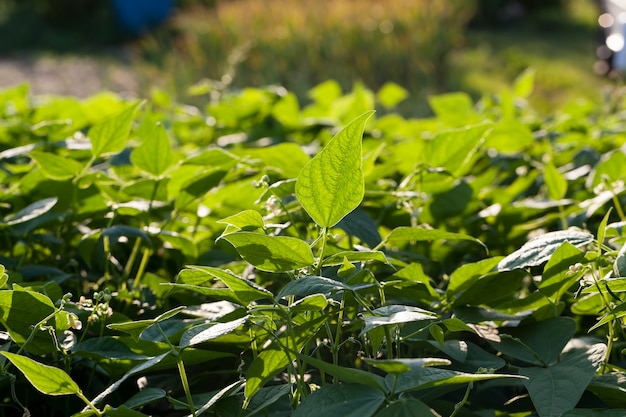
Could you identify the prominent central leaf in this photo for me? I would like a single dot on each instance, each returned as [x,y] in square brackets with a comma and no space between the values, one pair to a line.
[331,185]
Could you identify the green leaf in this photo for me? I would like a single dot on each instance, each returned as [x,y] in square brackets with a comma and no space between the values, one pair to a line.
[616,313]
[154,155]
[310,285]
[346,400]
[614,285]
[417,234]
[619,267]
[610,388]
[224,392]
[137,327]
[200,334]
[314,302]
[524,83]
[509,136]
[407,407]
[32,211]
[248,220]
[56,167]
[274,358]
[453,150]
[421,377]
[354,256]
[145,396]
[20,310]
[594,413]
[345,374]
[454,109]
[395,314]
[46,379]
[399,366]
[271,253]
[331,185]
[390,94]
[139,368]
[539,343]
[111,135]
[245,290]
[538,250]
[556,183]
[465,276]
[556,277]
[558,388]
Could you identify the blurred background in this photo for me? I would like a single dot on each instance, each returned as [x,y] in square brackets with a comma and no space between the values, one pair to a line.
[184,48]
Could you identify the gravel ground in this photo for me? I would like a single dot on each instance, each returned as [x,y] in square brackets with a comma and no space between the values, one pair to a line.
[78,76]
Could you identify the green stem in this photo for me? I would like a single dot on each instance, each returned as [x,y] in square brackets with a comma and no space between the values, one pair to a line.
[131,258]
[460,404]
[89,404]
[318,267]
[142,267]
[185,382]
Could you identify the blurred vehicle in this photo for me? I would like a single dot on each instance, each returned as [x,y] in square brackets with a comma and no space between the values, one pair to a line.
[611,52]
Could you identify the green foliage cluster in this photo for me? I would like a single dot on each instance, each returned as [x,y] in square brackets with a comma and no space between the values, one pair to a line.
[259,257]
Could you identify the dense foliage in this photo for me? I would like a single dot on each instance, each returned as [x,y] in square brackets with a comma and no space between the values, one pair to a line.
[259,257]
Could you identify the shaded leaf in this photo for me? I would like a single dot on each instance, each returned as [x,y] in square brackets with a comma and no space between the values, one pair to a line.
[573,373]
[347,400]
[538,250]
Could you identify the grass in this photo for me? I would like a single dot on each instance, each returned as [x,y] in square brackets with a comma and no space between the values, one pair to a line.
[422,45]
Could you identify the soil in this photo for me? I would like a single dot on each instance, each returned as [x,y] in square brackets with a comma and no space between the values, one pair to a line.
[79,76]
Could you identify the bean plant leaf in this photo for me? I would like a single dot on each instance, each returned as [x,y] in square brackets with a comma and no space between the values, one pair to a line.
[556,183]
[594,413]
[395,314]
[619,267]
[111,135]
[399,366]
[21,309]
[311,285]
[345,374]
[46,379]
[425,377]
[349,400]
[154,155]
[331,184]
[56,167]
[354,256]
[278,355]
[556,277]
[538,250]
[271,253]
[573,373]
[539,343]
[245,290]
[204,332]
[32,211]
[417,234]
[139,368]
[407,407]
[248,220]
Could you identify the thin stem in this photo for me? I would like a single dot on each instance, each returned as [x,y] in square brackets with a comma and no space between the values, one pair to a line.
[142,267]
[318,267]
[460,404]
[89,404]
[132,257]
[185,382]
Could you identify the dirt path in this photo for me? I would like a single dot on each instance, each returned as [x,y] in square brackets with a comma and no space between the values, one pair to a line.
[79,76]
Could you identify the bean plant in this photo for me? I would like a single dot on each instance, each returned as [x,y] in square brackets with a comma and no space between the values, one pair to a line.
[259,256]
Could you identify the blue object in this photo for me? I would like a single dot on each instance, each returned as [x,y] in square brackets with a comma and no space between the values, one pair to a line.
[136,16]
